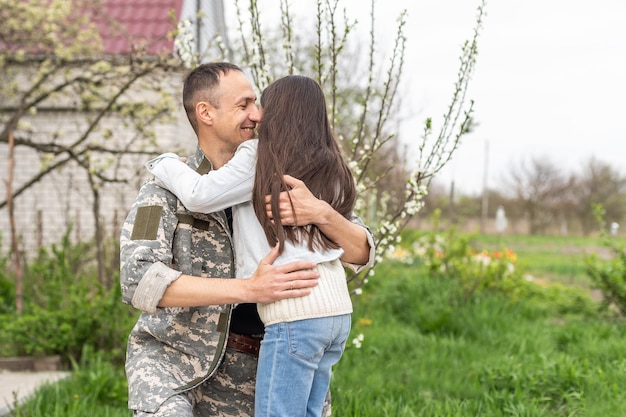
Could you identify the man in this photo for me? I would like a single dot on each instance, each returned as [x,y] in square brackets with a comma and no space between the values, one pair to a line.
[192,352]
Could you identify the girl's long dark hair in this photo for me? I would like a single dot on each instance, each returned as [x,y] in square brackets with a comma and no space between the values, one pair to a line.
[295,138]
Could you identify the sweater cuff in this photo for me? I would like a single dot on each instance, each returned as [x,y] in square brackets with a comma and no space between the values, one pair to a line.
[372,255]
[152,286]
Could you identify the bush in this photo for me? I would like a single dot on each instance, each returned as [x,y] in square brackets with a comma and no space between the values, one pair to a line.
[66,331]
[609,277]
[65,308]
[7,288]
[453,256]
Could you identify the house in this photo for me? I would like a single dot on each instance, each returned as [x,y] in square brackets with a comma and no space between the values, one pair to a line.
[64,197]
[126,23]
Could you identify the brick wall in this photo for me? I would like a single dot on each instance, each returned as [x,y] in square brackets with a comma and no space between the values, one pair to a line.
[44,212]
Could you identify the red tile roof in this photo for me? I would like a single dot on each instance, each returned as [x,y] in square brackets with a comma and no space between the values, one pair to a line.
[125,24]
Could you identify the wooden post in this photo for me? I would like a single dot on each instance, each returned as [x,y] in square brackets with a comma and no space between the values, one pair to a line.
[17,258]
[39,229]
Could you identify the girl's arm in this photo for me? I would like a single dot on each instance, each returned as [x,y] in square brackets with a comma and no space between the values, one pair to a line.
[221,188]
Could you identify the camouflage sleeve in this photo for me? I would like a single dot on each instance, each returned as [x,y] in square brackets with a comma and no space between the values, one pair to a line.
[146,248]
[370,241]
[152,286]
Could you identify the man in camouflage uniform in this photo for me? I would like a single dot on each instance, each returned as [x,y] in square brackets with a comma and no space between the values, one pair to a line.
[192,352]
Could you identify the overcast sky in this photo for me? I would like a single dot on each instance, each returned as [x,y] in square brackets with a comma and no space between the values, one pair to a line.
[550,78]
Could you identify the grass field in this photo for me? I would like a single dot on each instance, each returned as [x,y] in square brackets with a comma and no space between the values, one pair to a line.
[418,349]
[425,354]
[551,258]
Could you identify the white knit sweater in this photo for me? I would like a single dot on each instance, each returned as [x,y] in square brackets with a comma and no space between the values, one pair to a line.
[329,298]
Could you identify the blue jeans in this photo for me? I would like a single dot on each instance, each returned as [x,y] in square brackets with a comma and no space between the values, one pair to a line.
[295,363]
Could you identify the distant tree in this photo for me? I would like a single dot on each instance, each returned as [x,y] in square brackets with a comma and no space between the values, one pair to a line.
[598,184]
[538,186]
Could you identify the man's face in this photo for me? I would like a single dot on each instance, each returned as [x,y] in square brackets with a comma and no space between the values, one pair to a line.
[236,118]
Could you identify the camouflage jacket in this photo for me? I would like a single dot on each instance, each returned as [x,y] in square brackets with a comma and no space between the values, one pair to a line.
[171,350]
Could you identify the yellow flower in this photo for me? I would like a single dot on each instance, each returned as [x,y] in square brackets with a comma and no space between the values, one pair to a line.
[364,322]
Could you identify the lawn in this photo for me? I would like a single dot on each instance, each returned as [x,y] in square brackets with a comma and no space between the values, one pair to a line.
[425,354]
[553,258]
[419,349]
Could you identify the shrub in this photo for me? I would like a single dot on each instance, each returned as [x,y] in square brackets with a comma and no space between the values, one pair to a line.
[451,255]
[609,276]
[7,288]
[65,308]
[82,321]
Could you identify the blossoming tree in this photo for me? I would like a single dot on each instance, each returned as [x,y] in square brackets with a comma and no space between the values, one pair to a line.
[362,107]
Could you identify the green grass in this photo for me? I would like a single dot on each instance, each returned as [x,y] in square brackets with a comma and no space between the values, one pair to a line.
[96,388]
[427,353]
[553,258]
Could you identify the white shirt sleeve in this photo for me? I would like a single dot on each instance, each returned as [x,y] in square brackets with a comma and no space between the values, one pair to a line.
[221,188]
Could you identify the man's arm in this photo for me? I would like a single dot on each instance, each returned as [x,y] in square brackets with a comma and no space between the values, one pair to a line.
[269,283]
[353,238]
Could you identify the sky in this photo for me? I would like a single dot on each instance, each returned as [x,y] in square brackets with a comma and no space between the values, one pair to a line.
[549,82]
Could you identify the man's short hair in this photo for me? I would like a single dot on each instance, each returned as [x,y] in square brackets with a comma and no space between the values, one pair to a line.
[202,84]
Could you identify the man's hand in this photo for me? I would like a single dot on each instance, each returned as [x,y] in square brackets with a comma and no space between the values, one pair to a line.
[307,209]
[272,283]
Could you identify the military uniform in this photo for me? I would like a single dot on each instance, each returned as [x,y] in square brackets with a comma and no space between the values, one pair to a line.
[171,350]
[176,357]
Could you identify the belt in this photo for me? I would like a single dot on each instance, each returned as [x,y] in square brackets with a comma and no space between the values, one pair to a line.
[244,343]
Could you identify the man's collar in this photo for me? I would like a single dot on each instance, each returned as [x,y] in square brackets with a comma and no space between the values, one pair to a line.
[199,162]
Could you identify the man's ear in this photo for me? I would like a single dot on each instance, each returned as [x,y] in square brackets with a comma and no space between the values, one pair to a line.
[204,113]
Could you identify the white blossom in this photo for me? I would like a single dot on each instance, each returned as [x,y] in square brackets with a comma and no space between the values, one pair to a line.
[357,341]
